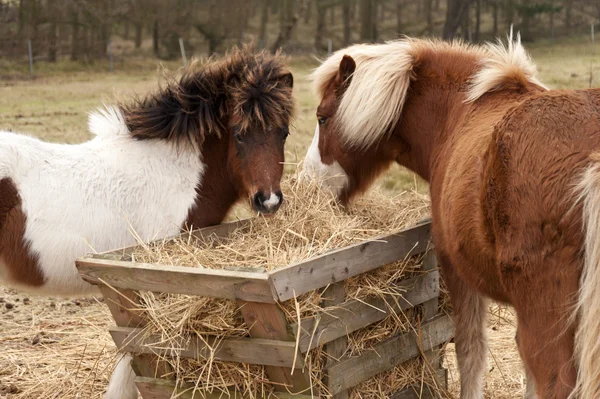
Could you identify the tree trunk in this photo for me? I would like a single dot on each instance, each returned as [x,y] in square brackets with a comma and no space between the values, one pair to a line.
[477,20]
[367,28]
[155,37]
[264,20]
[320,25]
[568,4]
[495,14]
[52,42]
[347,26]
[21,18]
[332,15]
[429,16]
[75,36]
[138,35]
[399,6]
[126,29]
[308,11]
[455,17]
[287,31]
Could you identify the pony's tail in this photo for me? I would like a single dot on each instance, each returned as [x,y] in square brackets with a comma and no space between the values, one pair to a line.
[587,336]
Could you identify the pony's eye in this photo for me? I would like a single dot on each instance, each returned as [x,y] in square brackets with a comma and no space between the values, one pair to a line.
[322,120]
[238,137]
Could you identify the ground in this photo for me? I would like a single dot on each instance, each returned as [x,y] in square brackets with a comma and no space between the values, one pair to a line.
[57,348]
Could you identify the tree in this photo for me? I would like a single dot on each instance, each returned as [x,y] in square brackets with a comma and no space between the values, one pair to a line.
[346,7]
[368,28]
[456,13]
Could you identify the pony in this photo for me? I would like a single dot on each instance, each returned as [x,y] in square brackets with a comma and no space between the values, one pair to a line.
[514,176]
[172,160]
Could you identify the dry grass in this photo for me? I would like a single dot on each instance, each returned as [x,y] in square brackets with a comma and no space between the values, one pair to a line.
[309,224]
[52,348]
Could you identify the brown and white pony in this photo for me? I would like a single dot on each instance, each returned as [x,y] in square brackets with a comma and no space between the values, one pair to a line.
[514,173]
[175,159]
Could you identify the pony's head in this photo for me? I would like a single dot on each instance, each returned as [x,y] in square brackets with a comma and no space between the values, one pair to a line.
[360,106]
[236,112]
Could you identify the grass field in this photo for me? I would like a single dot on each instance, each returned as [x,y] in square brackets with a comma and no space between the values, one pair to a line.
[54,105]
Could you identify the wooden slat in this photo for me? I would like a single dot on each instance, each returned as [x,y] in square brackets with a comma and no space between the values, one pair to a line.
[353,315]
[244,350]
[268,321]
[350,261]
[336,294]
[388,354]
[220,230]
[153,388]
[122,304]
[422,392]
[177,279]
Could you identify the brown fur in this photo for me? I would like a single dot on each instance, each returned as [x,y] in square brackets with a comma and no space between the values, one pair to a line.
[506,224]
[13,249]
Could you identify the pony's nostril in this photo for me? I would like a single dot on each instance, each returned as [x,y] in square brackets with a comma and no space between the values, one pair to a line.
[259,199]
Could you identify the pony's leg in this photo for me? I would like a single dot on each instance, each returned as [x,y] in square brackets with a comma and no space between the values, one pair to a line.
[122,385]
[546,347]
[470,310]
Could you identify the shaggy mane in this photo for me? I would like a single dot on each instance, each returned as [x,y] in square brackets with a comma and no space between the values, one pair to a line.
[373,102]
[248,86]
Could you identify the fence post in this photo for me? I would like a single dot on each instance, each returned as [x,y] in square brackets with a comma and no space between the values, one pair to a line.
[329,47]
[30,58]
[182,48]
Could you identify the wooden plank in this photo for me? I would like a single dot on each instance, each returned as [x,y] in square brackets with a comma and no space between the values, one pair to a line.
[422,392]
[153,388]
[220,230]
[244,350]
[353,315]
[335,294]
[388,354]
[268,321]
[343,263]
[225,284]
[122,304]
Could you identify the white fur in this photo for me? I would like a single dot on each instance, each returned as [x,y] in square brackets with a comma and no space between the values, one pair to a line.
[272,202]
[587,314]
[502,62]
[332,176]
[122,381]
[93,196]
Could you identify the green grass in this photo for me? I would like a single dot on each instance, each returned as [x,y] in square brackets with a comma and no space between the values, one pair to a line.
[54,105]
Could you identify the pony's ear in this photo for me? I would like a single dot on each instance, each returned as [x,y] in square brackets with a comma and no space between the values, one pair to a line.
[287,79]
[347,68]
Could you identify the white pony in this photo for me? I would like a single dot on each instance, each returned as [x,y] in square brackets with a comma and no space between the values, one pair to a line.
[178,158]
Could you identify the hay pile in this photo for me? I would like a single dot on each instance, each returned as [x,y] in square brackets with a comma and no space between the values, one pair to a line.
[309,223]
[53,348]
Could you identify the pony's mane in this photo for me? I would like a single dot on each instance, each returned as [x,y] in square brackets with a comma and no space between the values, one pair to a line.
[373,101]
[243,84]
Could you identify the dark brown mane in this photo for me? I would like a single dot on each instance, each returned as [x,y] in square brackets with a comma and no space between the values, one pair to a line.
[252,87]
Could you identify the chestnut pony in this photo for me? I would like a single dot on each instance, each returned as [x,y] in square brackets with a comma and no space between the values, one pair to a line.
[514,174]
[179,158]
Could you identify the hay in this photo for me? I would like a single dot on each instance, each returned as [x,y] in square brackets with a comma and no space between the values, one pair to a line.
[309,224]
[53,348]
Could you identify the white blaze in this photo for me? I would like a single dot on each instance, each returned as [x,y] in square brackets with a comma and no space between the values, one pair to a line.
[332,176]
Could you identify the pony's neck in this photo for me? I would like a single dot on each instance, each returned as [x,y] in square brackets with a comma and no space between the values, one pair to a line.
[434,106]
[216,194]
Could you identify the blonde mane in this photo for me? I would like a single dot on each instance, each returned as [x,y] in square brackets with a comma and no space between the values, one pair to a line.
[373,101]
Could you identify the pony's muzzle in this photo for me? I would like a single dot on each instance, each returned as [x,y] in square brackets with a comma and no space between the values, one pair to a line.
[267,204]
